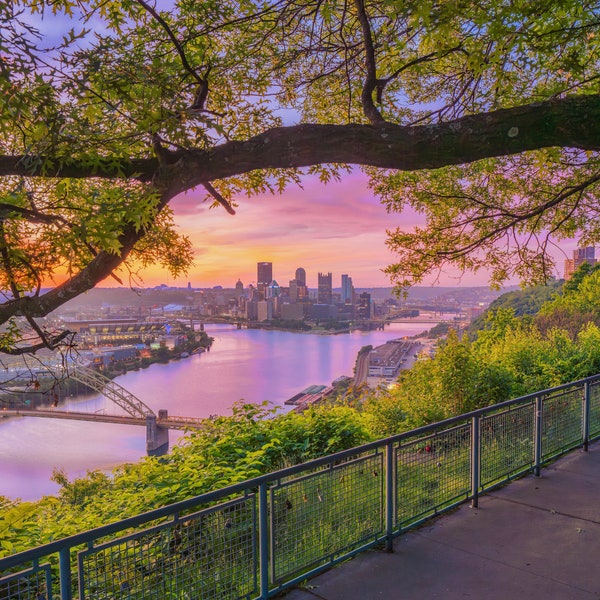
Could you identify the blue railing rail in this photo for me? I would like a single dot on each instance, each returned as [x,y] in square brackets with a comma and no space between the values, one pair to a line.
[256,538]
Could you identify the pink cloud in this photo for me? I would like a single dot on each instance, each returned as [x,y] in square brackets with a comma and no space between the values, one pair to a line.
[338,227]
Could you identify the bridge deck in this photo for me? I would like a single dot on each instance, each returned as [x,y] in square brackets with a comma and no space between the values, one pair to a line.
[169,423]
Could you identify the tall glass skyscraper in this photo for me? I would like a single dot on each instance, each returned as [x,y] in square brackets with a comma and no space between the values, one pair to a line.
[264,274]
[347,289]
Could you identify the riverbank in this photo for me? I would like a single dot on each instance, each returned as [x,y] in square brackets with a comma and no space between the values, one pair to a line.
[38,386]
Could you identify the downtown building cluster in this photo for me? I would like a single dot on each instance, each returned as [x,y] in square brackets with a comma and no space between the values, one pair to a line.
[267,300]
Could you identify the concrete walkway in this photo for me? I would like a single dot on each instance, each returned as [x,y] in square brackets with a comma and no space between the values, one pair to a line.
[536,538]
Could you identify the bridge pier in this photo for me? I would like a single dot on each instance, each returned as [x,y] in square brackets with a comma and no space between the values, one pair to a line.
[157,437]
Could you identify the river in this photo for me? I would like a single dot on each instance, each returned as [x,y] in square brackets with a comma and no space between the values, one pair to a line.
[249,364]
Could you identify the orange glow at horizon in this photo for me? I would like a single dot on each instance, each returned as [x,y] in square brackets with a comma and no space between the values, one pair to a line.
[339,228]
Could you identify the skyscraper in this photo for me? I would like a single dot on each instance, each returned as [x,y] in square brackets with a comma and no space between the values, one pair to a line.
[325,290]
[298,292]
[347,290]
[264,274]
[301,276]
[364,306]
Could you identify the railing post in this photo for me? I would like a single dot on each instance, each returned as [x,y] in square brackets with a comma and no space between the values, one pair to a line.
[586,415]
[263,536]
[390,478]
[64,568]
[537,459]
[475,460]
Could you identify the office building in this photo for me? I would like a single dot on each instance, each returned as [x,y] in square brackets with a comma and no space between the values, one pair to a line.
[273,290]
[265,310]
[293,291]
[301,276]
[297,291]
[364,306]
[292,312]
[347,295]
[264,276]
[325,289]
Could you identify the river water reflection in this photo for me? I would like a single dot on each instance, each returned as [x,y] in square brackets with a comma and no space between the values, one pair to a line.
[253,365]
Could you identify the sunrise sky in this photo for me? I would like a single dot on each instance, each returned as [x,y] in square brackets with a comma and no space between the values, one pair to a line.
[337,228]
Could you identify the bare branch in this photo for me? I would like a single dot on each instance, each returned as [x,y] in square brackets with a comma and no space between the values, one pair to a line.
[173,38]
[52,342]
[218,197]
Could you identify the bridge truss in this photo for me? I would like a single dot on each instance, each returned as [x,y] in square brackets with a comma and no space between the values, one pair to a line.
[109,389]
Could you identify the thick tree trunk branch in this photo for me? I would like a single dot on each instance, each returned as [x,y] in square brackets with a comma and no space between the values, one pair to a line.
[569,122]
[370,82]
[140,169]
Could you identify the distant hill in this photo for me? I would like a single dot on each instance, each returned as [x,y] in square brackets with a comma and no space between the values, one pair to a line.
[460,295]
[526,301]
[99,297]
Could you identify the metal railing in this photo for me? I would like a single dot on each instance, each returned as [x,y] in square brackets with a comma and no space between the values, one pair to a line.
[254,539]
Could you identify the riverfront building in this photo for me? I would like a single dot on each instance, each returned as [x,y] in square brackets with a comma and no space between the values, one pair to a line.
[364,306]
[292,312]
[265,310]
[386,361]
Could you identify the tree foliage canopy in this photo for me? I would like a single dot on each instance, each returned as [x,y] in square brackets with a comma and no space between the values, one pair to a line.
[484,116]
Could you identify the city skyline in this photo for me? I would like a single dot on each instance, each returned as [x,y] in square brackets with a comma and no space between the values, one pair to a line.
[339,227]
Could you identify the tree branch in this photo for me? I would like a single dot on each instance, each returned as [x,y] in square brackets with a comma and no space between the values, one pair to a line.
[371,82]
[53,343]
[33,216]
[567,122]
[100,267]
[173,38]
[140,169]
[218,197]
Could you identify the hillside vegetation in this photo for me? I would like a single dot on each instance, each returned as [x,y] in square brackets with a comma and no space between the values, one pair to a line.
[511,356]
